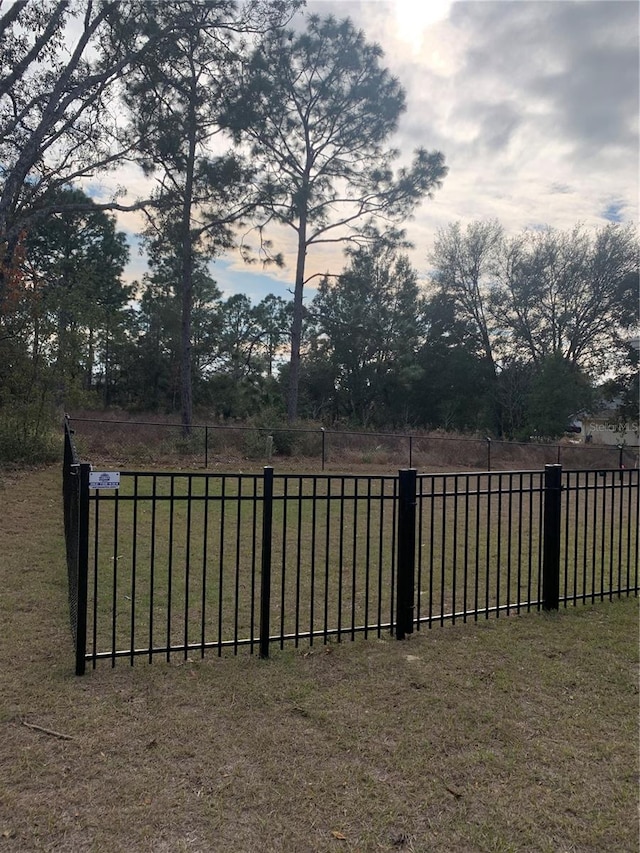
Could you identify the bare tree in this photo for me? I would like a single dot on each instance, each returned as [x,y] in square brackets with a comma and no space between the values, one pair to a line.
[61,64]
[464,263]
[572,294]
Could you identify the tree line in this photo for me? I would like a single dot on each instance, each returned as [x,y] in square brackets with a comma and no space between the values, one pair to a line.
[248,119]
[507,334]
[239,119]
[510,333]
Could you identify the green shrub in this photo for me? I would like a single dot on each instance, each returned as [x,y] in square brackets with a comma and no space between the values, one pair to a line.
[28,444]
[286,441]
[256,443]
[192,445]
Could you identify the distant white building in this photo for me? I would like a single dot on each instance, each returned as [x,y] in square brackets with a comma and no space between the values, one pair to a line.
[604,426]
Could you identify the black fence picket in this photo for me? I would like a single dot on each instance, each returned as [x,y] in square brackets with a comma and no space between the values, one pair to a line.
[190,563]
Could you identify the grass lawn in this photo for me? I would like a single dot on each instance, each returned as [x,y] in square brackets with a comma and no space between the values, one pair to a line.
[517,734]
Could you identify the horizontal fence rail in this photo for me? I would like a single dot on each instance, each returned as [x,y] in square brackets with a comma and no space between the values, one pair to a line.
[194,563]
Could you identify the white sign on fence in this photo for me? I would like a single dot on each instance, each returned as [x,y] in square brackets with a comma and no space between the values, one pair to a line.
[104,479]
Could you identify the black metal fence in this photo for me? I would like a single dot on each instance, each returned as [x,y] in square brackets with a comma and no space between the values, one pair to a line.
[190,563]
[75,501]
[141,442]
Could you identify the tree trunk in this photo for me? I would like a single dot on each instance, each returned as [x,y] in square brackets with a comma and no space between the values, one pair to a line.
[106,392]
[296,324]
[186,387]
[88,377]
[186,391]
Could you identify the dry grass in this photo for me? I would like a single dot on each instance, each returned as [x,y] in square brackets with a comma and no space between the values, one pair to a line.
[512,735]
[139,441]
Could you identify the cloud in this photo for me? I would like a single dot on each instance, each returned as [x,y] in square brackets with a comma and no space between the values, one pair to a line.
[534,104]
[233,279]
[572,68]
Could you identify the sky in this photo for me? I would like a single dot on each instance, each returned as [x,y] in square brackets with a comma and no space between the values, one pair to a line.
[535,106]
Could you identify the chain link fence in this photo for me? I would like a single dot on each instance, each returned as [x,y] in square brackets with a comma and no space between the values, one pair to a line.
[213,446]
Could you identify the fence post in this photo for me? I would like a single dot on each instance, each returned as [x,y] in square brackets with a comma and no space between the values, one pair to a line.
[551,533]
[488,440]
[265,577]
[206,446]
[405,582]
[322,430]
[82,568]
[67,475]
[410,451]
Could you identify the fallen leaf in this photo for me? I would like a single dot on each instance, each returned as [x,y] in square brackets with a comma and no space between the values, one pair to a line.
[338,835]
